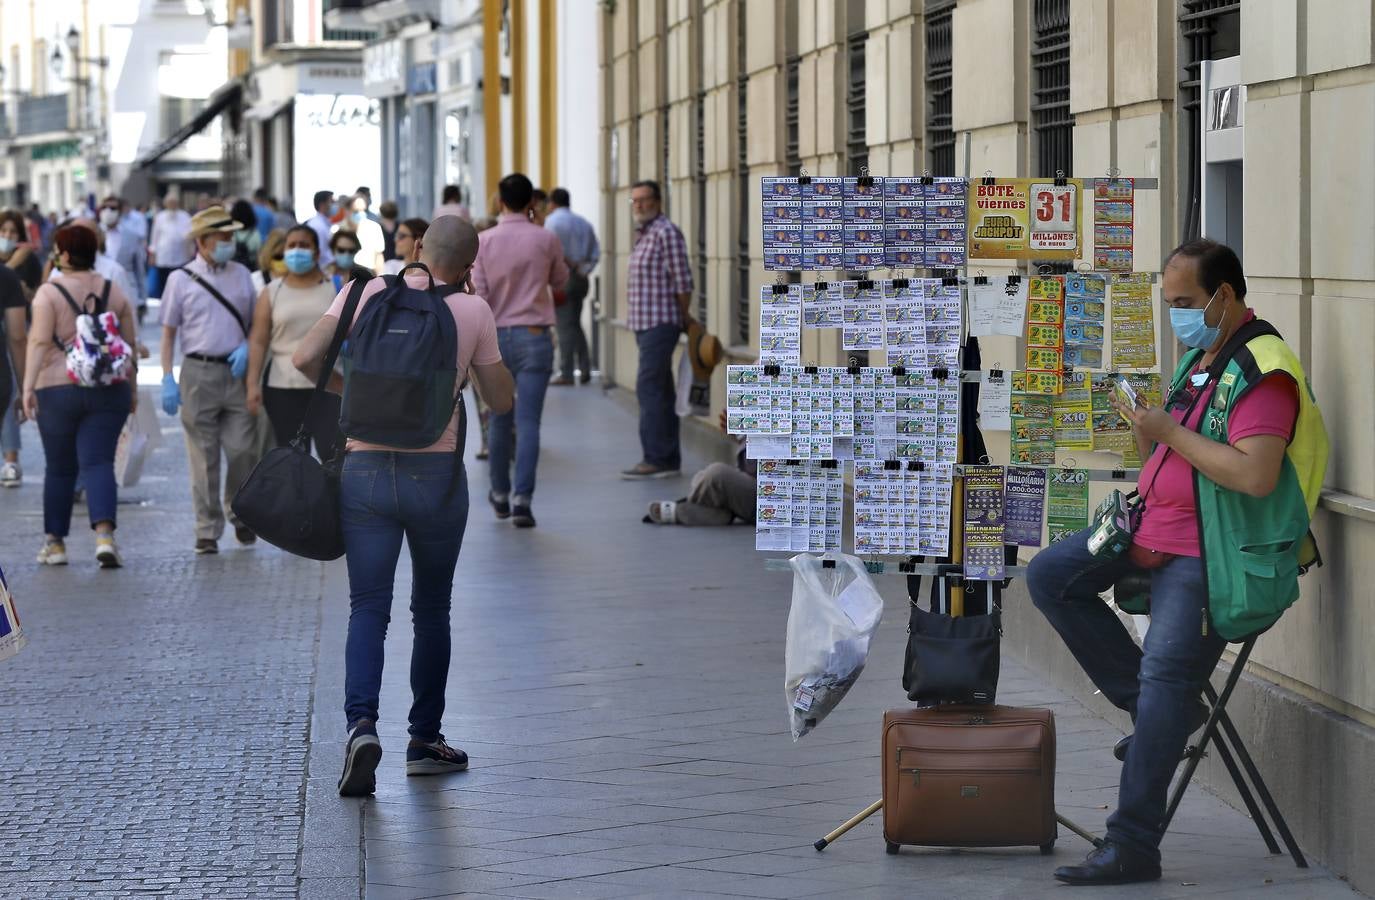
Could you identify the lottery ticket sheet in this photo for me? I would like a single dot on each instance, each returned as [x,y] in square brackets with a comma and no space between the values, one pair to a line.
[902,508]
[904,223]
[823,224]
[1071,413]
[863,234]
[822,305]
[1045,336]
[782,214]
[1067,502]
[1133,322]
[780,324]
[1085,307]
[904,316]
[945,210]
[1024,505]
[1113,221]
[1033,427]
[984,523]
[862,311]
[799,506]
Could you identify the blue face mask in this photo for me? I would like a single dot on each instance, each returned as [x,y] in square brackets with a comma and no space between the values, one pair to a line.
[7,245]
[1192,328]
[343,260]
[299,260]
[223,252]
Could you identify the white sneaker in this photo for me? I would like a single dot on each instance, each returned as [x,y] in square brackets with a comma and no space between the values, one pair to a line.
[53,554]
[11,476]
[106,553]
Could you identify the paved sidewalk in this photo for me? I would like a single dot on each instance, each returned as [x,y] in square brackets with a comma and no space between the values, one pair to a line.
[618,687]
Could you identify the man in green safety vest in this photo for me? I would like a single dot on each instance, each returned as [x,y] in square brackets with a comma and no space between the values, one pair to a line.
[1234,466]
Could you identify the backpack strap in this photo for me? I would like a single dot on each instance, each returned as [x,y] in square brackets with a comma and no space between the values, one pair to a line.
[103,301]
[71,301]
[341,332]
[233,311]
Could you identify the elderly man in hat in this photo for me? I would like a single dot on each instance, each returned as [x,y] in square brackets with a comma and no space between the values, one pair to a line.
[208,303]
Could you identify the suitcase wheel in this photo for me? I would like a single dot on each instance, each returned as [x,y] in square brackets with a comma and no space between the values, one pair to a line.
[892,848]
[1048,848]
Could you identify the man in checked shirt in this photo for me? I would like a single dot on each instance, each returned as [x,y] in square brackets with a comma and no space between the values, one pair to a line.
[658,292]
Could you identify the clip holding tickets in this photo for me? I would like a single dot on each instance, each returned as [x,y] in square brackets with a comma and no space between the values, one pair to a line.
[899,371]
[927,179]
[854,370]
[1014,279]
[909,567]
[1118,475]
[916,465]
[1060,178]
[995,374]
[822,286]
[828,564]
[989,181]
[892,465]
[866,284]
[810,370]
[900,283]
[951,281]
[794,462]
[866,181]
[980,279]
[940,373]
[780,287]
[773,370]
[1067,371]
[830,463]
[804,179]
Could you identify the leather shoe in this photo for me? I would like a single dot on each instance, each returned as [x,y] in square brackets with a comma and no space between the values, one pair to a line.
[1201,713]
[1110,864]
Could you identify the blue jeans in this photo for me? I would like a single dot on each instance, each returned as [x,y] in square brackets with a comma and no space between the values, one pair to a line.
[9,422]
[1159,688]
[383,497]
[529,354]
[80,427]
[658,397]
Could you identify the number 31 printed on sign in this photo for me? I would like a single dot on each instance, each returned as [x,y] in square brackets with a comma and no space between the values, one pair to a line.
[1055,222]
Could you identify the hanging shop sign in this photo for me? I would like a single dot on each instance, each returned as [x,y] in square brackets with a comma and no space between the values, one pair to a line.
[1025,218]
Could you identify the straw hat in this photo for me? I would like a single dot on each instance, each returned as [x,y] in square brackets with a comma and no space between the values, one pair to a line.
[704,351]
[211,219]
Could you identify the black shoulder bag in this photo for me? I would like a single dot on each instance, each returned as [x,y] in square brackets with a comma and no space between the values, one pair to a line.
[291,499]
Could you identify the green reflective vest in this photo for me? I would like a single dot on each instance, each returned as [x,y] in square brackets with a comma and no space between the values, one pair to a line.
[1255,547]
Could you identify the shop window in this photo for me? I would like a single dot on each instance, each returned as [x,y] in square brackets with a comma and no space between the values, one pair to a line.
[1208,29]
[1052,126]
[940,138]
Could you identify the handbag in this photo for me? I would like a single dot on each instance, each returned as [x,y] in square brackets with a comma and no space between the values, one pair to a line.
[952,659]
[291,499]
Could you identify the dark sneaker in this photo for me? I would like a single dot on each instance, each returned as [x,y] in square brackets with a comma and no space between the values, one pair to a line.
[434,759]
[207,545]
[1110,864]
[361,756]
[245,536]
[501,507]
[522,517]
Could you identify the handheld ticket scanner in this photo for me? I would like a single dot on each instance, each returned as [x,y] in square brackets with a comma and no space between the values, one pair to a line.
[1223,101]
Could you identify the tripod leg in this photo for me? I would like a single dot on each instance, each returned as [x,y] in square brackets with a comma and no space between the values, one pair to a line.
[1273,808]
[858,817]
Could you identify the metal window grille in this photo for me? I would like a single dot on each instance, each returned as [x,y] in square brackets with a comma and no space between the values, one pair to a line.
[1208,29]
[742,218]
[792,148]
[1051,123]
[699,177]
[856,136]
[940,138]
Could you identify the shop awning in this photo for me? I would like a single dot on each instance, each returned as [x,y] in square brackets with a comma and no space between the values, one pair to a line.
[227,95]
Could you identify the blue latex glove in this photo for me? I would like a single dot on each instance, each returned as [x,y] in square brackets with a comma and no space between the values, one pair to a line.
[238,361]
[171,395]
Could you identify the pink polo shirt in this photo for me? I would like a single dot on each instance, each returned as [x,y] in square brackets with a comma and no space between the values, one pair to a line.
[477,345]
[1170,523]
[518,262]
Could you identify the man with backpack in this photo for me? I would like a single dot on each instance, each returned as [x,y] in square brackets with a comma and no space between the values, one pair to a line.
[411,339]
[209,303]
[519,266]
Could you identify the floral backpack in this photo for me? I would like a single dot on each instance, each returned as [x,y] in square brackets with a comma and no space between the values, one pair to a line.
[97,355]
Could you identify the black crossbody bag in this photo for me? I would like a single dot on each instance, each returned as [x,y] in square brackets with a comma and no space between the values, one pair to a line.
[291,499]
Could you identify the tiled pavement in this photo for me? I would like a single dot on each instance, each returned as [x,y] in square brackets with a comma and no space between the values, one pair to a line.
[618,687]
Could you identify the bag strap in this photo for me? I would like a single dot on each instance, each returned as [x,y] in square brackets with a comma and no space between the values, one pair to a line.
[103,302]
[331,357]
[71,301]
[233,311]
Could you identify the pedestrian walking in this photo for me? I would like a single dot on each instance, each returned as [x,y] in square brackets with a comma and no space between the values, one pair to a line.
[581,253]
[389,220]
[170,246]
[387,493]
[323,220]
[286,310]
[371,243]
[658,295]
[79,383]
[208,305]
[123,242]
[18,252]
[265,216]
[410,236]
[247,243]
[14,336]
[271,262]
[343,265]
[451,204]
[518,266]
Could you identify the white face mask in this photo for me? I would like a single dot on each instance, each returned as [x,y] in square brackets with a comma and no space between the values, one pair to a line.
[109,217]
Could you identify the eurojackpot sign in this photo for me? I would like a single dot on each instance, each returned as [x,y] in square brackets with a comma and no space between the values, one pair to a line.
[1024,218]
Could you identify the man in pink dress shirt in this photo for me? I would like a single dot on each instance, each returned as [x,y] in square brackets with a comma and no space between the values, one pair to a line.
[518,265]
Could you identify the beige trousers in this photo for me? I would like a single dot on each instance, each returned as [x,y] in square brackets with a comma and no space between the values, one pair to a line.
[214,416]
[720,493]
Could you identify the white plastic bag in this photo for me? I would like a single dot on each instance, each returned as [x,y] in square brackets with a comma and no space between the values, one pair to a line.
[141,435]
[834,615]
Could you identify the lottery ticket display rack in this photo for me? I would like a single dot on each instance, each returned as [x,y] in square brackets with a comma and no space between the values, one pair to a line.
[840,224]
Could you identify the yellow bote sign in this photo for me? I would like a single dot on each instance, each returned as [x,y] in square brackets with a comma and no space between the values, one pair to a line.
[1024,218]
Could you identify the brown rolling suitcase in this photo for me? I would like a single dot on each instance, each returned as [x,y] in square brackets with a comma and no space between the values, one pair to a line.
[969,776]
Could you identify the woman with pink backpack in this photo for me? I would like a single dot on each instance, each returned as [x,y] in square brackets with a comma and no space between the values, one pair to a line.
[79,386]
